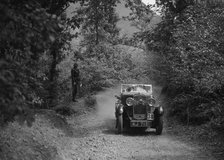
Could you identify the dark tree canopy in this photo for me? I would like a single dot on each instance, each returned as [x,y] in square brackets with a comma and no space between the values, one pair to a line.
[29,30]
[189,45]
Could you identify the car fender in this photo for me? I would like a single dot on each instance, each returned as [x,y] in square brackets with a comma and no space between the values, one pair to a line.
[159,110]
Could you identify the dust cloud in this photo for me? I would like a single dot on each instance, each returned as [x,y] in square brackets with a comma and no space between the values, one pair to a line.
[106,103]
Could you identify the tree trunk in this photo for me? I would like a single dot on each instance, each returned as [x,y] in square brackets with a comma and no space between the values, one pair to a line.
[52,80]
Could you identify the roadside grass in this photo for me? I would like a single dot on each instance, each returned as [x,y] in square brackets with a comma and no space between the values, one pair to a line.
[90,101]
[203,135]
[49,133]
[43,140]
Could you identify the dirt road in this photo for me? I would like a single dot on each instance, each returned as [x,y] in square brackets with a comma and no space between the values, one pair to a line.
[96,139]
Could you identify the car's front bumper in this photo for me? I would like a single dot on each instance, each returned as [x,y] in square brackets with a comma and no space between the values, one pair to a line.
[140,123]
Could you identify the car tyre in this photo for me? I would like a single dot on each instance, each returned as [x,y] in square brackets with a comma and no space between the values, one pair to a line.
[120,124]
[142,130]
[159,126]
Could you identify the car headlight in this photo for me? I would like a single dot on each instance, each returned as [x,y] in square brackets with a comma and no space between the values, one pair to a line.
[130,101]
[152,102]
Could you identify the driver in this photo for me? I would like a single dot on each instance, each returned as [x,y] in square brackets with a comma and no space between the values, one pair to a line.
[140,89]
[129,89]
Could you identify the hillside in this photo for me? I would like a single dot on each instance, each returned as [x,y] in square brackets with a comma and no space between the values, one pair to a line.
[138,54]
[125,25]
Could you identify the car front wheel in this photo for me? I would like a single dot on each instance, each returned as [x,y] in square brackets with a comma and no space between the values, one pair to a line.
[120,124]
[159,126]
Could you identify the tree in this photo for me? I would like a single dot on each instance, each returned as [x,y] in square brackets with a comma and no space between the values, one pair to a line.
[190,44]
[29,32]
[177,6]
[98,19]
[141,17]
[58,47]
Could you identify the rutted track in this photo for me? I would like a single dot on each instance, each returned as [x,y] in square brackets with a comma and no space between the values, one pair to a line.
[97,139]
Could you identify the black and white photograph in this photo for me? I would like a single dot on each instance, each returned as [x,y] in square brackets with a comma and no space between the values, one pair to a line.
[111,79]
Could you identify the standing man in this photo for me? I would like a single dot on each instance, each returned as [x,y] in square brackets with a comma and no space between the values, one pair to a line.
[75,81]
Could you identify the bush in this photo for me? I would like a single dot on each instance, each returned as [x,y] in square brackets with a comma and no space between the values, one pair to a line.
[192,63]
[103,66]
[21,48]
[64,110]
[90,101]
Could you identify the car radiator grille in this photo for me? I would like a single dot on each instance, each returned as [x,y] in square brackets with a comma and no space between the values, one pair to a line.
[139,111]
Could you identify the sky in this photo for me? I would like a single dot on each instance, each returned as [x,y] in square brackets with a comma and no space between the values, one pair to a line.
[148,1]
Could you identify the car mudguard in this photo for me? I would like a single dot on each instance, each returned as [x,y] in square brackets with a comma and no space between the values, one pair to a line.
[159,111]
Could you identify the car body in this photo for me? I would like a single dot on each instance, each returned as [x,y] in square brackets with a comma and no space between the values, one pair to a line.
[136,108]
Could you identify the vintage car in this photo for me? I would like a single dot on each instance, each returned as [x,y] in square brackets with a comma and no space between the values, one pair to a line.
[136,108]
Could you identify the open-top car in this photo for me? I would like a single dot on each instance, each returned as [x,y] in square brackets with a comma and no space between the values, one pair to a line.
[136,108]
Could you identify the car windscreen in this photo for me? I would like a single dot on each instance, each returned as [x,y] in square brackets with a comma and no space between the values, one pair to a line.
[136,88]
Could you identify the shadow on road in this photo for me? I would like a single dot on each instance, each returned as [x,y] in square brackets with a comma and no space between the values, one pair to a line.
[110,129]
[138,132]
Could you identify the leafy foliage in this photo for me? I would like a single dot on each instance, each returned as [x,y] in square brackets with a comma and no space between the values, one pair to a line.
[191,47]
[98,20]
[101,63]
[104,66]
[29,34]
[35,38]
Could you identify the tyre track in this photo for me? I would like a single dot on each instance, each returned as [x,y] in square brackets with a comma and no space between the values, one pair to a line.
[102,142]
